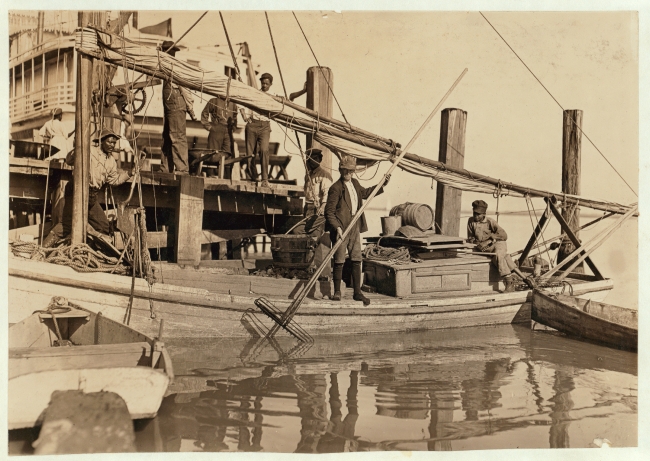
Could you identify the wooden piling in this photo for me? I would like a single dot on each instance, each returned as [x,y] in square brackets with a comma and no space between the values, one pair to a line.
[452,153]
[571,144]
[189,220]
[320,99]
[83,129]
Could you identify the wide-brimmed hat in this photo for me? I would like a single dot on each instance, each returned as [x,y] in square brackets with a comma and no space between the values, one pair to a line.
[165,46]
[479,206]
[107,132]
[348,163]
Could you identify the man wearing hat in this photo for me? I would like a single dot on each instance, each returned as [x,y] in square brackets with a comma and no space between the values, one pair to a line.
[54,133]
[219,117]
[258,132]
[176,102]
[103,170]
[344,200]
[317,184]
[489,237]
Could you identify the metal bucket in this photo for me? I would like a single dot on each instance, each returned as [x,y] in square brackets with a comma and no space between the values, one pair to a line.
[293,251]
[390,224]
[417,215]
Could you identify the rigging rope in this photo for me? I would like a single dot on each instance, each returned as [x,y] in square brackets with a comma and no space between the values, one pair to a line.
[147,60]
[560,105]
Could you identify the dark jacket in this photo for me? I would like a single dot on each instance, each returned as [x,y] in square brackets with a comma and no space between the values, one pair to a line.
[338,210]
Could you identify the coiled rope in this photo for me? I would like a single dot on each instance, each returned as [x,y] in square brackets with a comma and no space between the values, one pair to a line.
[376,252]
[79,256]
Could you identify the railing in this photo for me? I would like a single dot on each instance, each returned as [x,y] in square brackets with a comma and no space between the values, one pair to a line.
[41,101]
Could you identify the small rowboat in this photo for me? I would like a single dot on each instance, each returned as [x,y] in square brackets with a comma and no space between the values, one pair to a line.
[586,319]
[67,347]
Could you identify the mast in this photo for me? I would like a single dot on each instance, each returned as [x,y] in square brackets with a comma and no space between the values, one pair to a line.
[81,173]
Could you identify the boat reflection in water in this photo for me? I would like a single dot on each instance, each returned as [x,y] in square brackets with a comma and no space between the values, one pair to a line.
[465,389]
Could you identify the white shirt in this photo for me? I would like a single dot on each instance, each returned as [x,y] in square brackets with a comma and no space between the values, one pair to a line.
[353,195]
[53,127]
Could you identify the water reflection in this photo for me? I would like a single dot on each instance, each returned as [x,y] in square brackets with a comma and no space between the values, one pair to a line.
[501,387]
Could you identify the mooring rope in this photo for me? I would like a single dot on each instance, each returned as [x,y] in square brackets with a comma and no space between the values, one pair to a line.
[80,256]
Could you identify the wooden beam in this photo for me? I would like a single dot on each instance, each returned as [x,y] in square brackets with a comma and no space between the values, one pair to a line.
[565,227]
[189,220]
[321,100]
[571,144]
[82,140]
[536,233]
[451,152]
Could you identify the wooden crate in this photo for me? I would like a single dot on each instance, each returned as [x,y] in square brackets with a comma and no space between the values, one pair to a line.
[471,273]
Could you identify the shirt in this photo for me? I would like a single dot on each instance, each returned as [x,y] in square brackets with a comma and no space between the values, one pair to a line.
[317,183]
[215,111]
[254,116]
[353,195]
[53,128]
[103,169]
[482,231]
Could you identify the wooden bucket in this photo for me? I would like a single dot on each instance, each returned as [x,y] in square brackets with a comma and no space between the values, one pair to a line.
[390,224]
[293,251]
[417,215]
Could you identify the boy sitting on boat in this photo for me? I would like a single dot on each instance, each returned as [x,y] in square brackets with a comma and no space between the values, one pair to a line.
[489,237]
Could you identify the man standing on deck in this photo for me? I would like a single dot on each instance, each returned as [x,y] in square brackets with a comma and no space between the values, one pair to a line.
[176,102]
[54,133]
[220,119]
[344,200]
[317,184]
[103,170]
[258,133]
[489,237]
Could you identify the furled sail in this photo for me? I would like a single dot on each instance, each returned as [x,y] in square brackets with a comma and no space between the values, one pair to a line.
[340,138]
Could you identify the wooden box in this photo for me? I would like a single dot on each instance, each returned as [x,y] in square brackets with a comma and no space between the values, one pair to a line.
[456,274]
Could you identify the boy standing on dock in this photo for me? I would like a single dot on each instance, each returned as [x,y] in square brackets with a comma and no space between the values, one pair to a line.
[344,201]
[258,133]
[176,102]
[489,237]
[219,117]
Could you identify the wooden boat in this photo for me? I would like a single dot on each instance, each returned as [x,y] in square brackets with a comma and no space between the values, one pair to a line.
[193,304]
[586,319]
[67,347]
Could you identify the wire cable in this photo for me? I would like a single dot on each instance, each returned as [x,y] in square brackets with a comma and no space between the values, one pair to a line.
[560,105]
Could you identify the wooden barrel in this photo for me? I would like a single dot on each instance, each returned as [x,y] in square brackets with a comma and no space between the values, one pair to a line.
[293,251]
[418,215]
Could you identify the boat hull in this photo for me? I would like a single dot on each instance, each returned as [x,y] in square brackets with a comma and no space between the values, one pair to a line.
[559,313]
[194,312]
[142,389]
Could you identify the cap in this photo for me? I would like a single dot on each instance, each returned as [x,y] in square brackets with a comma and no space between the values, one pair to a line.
[164,46]
[267,75]
[479,206]
[106,132]
[57,111]
[348,163]
[315,153]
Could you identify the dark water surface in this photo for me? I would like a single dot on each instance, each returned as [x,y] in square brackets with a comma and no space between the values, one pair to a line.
[464,389]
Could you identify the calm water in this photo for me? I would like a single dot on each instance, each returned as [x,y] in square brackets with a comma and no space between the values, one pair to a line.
[465,389]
